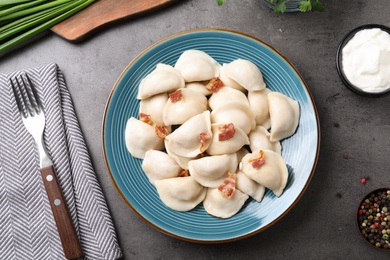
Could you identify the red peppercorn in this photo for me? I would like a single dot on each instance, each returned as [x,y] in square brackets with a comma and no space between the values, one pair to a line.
[363,180]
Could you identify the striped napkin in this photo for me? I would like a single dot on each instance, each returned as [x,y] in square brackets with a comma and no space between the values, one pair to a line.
[27,227]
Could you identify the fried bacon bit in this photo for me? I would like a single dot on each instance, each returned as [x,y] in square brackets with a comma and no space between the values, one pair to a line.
[161,131]
[258,161]
[204,138]
[183,173]
[145,118]
[176,96]
[214,85]
[228,187]
[226,132]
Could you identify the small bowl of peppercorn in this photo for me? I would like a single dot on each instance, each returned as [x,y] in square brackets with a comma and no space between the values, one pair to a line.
[373,218]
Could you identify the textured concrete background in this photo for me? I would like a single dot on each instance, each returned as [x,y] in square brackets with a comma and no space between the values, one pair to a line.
[355,131]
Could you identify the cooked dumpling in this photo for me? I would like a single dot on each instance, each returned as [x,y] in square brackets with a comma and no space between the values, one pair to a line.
[181,193]
[199,87]
[180,160]
[226,94]
[284,113]
[266,168]
[158,165]
[195,65]
[226,138]
[182,105]
[234,112]
[228,81]
[258,101]
[154,106]
[191,138]
[260,139]
[164,78]
[245,73]
[241,153]
[220,206]
[210,171]
[141,137]
[250,187]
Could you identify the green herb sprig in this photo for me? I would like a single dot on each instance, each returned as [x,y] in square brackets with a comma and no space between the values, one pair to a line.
[21,20]
[304,5]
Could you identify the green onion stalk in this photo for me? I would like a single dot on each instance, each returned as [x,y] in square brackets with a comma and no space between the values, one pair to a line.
[21,20]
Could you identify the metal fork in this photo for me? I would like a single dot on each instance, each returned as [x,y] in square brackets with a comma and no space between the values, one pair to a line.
[33,118]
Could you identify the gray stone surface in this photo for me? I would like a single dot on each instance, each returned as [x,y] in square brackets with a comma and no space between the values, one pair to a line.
[321,225]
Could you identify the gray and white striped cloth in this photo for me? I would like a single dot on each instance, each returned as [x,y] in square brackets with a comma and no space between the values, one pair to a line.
[27,227]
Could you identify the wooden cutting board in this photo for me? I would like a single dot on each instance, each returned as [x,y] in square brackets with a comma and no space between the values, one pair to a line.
[103,13]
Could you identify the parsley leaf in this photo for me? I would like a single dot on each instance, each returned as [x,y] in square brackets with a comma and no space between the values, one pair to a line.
[280,6]
[311,5]
[220,2]
[318,6]
[305,6]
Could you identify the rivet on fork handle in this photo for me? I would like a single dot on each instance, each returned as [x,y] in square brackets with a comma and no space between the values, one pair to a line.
[66,231]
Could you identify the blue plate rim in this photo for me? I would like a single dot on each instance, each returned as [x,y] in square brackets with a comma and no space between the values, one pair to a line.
[224,30]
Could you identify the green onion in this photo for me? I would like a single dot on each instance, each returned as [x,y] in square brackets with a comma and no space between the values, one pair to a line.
[20,21]
[26,22]
[9,10]
[32,10]
[11,2]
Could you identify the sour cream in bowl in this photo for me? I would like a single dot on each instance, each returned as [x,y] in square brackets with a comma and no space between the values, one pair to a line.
[363,60]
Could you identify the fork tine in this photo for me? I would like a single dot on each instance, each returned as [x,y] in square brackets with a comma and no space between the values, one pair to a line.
[19,97]
[25,96]
[30,93]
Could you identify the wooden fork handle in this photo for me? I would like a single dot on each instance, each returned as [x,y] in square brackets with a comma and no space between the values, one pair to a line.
[66,231]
